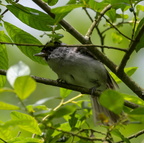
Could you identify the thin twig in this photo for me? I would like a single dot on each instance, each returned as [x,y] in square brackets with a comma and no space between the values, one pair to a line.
[96,21]
[117,29]
[75,134]
[135,20]
[116,25]
[97,29]
[84,45]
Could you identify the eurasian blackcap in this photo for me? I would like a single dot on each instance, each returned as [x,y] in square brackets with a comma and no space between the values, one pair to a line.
[77,66]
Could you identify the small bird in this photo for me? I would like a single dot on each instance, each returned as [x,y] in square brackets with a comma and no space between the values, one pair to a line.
[77,66]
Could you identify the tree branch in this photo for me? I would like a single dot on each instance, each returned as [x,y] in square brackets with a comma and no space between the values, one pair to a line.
[131,49]
[69,86]
[96,21]
[131,84]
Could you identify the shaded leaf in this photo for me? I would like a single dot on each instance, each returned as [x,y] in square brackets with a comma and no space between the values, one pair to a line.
[20,69]
[118,133]
[112,14]
[140,43]
[73,120]
[51,2]
[138,111]
[112,100]
[22,37]
[26,122]
[32,17]
[24,86]
[63,111]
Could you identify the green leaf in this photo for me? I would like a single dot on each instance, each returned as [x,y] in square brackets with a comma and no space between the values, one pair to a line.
[129,71]
[6,106]
[73,120]
[66,8]
[22,37]
[26,122]
[25,140]
[20,69]
[51,2]
[112,100]
[63,111]
[6,90]
[137,111]
[112,14]
[5,134]
[141,41]
[117,38]
[24,86]
[133,99]
[118,133]
[32,17]
[3,56]
[64,92]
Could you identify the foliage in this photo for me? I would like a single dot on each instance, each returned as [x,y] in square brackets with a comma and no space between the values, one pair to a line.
[70,120]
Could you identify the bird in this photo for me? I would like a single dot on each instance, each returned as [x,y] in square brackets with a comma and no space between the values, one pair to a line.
[78,66]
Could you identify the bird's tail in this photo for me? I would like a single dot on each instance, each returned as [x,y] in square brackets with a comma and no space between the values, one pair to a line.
[101,114]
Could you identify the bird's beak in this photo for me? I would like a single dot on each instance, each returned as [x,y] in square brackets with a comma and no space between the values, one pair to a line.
[41,54]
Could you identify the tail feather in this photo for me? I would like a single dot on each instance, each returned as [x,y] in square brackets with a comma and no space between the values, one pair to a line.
[101,114]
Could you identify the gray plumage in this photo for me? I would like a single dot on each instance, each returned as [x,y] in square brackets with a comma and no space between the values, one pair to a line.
[78,67]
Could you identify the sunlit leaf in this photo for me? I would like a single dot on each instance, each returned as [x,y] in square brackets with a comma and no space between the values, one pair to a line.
[20,69]
[112,100]
[117,38]
[26,122]
[25,140]
[3,56]
[22,37]
[133,99]
[5,134]
[6,106]
[24,86]
[64,92]
[6,90]
[66,8]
